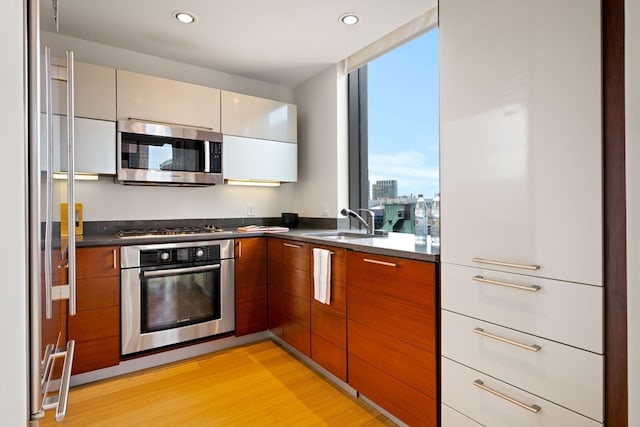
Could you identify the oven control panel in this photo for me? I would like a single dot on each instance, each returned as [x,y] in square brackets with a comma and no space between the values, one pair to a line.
[188,255]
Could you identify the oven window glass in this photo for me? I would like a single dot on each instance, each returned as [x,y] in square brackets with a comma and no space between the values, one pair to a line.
[176,300]
[162,153]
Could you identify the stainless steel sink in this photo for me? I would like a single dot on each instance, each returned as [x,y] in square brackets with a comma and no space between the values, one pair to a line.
[343,235]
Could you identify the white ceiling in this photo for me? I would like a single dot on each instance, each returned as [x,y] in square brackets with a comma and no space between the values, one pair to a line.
[279,41]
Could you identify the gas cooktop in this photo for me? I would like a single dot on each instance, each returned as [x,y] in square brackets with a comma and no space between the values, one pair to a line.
[205,230]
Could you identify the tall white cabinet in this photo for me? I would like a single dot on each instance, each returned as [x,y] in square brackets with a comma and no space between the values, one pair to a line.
[521,203]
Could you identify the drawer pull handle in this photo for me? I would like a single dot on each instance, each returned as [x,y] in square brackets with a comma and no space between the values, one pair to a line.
[533,288]
[533,408]
[331,252]
[375,261]
[289,245]
[506,264]
[115,259]
[482,332]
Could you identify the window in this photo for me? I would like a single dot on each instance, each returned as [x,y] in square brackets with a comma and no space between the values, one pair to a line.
[393,132]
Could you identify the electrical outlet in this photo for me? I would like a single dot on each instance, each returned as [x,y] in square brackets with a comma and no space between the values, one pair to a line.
[251,209]
[324,209]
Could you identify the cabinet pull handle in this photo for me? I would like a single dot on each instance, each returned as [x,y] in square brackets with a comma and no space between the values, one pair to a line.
[239,248]
[375,261]
[532,347]
[289,245]
[533,408]
[115,259]
[533,288]
[506,264]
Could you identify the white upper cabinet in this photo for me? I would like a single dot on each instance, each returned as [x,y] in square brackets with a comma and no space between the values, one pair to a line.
[259,160]
[150,98]
[521,178]
[253,117]
[95,92]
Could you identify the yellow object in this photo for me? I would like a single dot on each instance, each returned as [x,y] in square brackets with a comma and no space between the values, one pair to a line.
[64,226]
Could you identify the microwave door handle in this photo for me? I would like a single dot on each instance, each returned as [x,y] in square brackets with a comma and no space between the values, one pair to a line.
[171,271]
[207,156]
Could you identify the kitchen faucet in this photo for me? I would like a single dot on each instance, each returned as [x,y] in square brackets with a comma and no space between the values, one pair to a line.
[368,223]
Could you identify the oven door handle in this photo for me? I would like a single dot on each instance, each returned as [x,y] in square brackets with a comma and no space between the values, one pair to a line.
[158,273]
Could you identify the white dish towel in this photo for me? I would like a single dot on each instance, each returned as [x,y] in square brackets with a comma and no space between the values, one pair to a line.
[322,275]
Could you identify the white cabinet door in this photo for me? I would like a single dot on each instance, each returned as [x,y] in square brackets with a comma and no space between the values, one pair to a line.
[95,92]
[521,135]
[253,117]
[151,98]
[95,145]
[259,160]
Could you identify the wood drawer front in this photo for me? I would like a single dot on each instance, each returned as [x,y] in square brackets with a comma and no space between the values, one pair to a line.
[275,322]
[98,292]
[409,280]
[58,275]
[453,418]
[565,375]
[93,324]
[96,354]
[251,316]
[251,274]
[251,250]
[405,321]
[274,250]
[297,308]
[329,355]
[337,303]
[560,311]
[460,393]
[338,262]
[404,402]
[297,335]
[297,282]
[406,363]
[296,255]
[98,261]
[331,326]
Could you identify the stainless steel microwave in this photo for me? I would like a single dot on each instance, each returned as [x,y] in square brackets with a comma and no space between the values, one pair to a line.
[165,154]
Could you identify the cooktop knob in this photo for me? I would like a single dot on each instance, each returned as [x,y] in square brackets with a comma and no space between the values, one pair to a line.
[164,256]
[199,253]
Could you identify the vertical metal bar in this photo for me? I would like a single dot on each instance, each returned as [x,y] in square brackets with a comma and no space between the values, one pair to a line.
[35,241]
[48,250]
[71,195]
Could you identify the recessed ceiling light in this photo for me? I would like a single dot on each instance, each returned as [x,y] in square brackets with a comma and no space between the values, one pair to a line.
[185,17]
[349,19]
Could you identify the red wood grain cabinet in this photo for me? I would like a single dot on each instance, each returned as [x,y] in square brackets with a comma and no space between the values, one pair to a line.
[251,285]
[392,334]
[96,325]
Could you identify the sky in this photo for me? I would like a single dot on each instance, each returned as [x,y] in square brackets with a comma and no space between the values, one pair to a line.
[403,116]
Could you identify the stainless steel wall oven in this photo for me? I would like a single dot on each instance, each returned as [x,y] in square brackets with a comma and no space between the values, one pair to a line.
[176,292]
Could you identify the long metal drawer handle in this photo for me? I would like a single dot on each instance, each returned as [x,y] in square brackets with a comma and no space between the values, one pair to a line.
[532,288]
[289,245]
[506,264]
[375,261]
[533,408]
[199,269]
[532,347]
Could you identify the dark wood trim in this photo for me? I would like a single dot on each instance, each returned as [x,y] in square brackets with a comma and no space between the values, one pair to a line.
[614,199]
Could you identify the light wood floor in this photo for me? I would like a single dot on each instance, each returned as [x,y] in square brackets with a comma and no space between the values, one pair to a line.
[254,385]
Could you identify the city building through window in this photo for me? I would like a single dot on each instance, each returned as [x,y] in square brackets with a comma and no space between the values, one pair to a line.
[394,133]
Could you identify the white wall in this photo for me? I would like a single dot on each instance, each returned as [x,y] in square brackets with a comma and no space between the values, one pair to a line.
[13,303]
[632,111]
[104,200]
[322,146]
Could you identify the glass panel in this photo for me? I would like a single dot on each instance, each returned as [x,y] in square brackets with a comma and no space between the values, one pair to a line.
[158,153]
[178,300]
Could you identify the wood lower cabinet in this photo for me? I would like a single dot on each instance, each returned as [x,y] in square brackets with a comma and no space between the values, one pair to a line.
[251,285]
[274,287]
[329,321]
[392,334]
[296,295]
[96,325]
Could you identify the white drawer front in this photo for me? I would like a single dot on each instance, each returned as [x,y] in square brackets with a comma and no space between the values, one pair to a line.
[560,311]
[451,418]
[460,393]
[565,375]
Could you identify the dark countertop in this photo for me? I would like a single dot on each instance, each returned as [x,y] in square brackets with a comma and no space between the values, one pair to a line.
[394,244]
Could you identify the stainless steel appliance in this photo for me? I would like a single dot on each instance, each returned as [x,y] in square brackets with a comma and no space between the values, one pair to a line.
[176,292]
[166,154]
[52,275]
